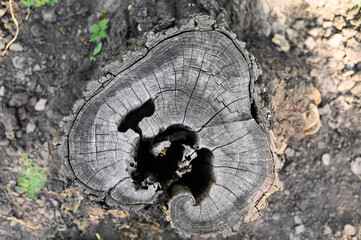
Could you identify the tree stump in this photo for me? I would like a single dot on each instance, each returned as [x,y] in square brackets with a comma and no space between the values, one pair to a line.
[181,121]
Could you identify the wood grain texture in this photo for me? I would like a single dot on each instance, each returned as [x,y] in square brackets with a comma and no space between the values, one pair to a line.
[202,78]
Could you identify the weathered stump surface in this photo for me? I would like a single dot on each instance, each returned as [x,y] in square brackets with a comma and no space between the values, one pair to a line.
[178,120]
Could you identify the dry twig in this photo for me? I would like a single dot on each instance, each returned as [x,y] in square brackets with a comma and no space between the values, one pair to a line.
[19,221]
[17,28]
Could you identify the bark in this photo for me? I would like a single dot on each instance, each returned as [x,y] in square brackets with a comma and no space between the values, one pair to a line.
[186,118]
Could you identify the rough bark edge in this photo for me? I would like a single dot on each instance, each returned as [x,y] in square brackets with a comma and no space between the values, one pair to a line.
[196,23]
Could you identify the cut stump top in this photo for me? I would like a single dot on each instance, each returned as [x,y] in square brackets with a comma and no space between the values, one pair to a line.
[174,120]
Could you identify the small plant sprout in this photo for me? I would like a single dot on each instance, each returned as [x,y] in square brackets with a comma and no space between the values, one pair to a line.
[39,3]
[32,177]
[98,33]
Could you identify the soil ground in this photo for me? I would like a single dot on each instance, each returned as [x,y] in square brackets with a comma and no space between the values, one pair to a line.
[48,66]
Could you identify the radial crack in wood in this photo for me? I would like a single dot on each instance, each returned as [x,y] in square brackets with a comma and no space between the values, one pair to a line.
[179,121]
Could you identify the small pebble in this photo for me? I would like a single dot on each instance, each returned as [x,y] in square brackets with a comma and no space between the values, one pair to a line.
[356,166]
[349,230]
[19,62]
[300,229]
[2,91]
[324,110]
[327,230]
[36,68]
[327,24]
[18,99]
[335,40]
[289,152]
[49,15]
[30,127]
[276,216]
[16,47]
[344,86]
[297,220]
[281,41]
[356,90]
[326,159]
[339,22]
[310,43]
[40,105]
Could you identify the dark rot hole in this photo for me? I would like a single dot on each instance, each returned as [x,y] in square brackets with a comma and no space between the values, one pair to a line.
[178,134]
[169,164]
[201,178]
[134,117]
[254,111]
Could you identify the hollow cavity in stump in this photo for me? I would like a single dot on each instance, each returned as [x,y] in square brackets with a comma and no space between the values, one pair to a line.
[178,118]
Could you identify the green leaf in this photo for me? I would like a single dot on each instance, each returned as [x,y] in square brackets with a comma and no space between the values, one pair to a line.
[93,37]
[97,49]
[52,2]
[31,178]
[103,35]
[28,3]
[104,10]
[40,3]
[103,24]
[92,58]
[95,29]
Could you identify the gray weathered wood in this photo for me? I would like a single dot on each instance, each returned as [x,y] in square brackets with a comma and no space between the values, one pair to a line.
[200,77]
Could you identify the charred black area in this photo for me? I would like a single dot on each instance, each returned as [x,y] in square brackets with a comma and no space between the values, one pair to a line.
[134,117]
[201,178]
[178,134]
[162,167]
[254,111]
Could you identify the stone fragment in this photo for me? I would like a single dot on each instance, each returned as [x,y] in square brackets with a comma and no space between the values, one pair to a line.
[341,103]
[40,105]
[2,12]
[324,110]
[297,220]
[19,99]
[16,47]
[10,123]
[356,90]
[310,43]
[339,54]
[335,40]
[339,22]
[344,86]
[19,62]
[291,34]
[353,50]
[49,15]
[299,229]
[281,41]
[22,114]
[30,127]
[348,32]
[356,77]
[276,216]
[2,91]
[36,68]
[356,166]
[289,152]
[349,230]
[37,30]
[328,32]
[327,24]
[315,32]
[327,230]
[326,159]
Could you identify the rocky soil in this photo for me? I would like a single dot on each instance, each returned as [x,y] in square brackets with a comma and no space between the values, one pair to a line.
[48,66]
